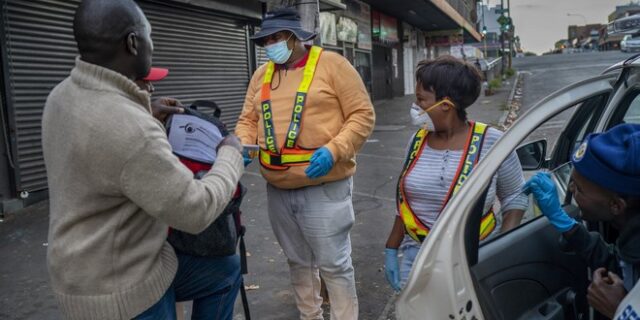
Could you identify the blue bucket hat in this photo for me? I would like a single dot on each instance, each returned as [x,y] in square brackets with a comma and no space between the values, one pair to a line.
[612,159]
[280,20]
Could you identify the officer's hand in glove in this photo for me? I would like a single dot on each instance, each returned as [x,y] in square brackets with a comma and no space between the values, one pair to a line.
[391,269]
[247,160]
[546,195]
[320,164]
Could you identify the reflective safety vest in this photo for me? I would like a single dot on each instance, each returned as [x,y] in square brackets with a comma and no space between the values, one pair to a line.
[290,154]
[417,229]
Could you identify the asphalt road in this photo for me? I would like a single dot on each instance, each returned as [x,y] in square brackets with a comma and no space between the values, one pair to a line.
[544,75]
[547,74]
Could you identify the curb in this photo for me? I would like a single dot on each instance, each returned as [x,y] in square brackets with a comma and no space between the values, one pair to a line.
[513,103]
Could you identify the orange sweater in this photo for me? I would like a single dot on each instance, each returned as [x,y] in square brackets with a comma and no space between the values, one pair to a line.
[338,114]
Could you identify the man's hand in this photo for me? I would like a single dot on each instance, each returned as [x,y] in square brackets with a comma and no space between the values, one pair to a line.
[546,195]
[320,164]
[605,292]
[161,108]
[231,141]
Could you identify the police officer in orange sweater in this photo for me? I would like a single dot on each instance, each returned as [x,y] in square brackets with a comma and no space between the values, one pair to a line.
[310,113]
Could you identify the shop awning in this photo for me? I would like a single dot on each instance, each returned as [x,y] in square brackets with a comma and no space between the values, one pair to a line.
[428,15]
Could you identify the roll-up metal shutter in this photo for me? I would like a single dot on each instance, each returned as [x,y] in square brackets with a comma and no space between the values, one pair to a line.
[261,56]
[207,55]
[40,52]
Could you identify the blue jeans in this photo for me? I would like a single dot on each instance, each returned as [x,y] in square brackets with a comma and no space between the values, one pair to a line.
[212,284]
[409,253]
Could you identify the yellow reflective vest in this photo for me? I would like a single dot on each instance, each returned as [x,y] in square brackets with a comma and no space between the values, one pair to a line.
[418,230]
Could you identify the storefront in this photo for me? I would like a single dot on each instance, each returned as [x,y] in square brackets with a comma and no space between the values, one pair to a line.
[388,80]
[206,50]
[348,33]
[440,42]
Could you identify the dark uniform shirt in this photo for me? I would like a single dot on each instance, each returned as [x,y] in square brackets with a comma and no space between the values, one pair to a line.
[622,258]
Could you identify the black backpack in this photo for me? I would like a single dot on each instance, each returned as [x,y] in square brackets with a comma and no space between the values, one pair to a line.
[222,236]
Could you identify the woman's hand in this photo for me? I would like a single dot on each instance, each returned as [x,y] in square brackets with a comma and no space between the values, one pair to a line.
[392,268]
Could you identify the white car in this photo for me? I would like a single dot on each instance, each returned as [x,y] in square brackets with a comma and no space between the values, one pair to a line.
[524,273]
[630,43]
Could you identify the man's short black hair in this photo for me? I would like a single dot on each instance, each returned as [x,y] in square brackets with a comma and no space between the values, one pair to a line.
[447,76]
[99,26]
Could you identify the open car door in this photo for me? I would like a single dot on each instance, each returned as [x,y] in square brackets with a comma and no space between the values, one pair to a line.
[522,274]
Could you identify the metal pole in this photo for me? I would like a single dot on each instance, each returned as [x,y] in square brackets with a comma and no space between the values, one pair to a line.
[510,32]
[484,27]
[485,46]
[503,62]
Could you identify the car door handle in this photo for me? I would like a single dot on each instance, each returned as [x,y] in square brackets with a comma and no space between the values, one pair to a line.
[550,310]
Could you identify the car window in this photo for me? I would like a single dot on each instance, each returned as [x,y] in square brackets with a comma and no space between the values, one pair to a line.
[632,115]
[628,111]
[583,122]
[563,133]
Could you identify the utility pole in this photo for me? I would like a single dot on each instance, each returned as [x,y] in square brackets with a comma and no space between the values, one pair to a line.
[502,36]
[484,29]
[510,32]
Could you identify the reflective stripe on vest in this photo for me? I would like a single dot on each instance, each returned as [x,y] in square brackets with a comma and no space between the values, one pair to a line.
[418,230]
[290,154]
[289,158]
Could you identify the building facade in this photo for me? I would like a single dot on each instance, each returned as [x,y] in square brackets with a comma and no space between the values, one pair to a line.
[625,11]
[206,46]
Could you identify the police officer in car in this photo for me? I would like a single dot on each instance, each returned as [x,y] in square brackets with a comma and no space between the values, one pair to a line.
[605,184]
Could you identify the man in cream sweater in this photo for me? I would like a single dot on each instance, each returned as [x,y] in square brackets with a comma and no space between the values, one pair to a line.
[115,187]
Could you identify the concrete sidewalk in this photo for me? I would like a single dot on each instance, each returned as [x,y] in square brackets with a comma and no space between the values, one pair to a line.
[26,294]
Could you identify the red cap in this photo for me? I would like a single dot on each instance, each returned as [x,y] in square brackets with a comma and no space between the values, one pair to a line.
[156,74]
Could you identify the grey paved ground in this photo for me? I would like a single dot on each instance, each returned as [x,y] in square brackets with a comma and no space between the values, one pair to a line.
[25,293]
[23,278]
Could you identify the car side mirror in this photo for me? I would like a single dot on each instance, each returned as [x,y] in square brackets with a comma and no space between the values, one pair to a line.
[533,155]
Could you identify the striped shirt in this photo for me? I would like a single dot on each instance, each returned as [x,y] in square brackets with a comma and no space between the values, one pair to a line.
[427,185]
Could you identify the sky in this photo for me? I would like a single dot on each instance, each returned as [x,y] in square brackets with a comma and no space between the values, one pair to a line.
[540,23]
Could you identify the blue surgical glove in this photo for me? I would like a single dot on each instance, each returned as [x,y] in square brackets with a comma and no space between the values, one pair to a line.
[320,164]
[546,195]
[391,269]
[247,160]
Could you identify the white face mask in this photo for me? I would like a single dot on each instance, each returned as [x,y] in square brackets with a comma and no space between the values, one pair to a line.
[420,117]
